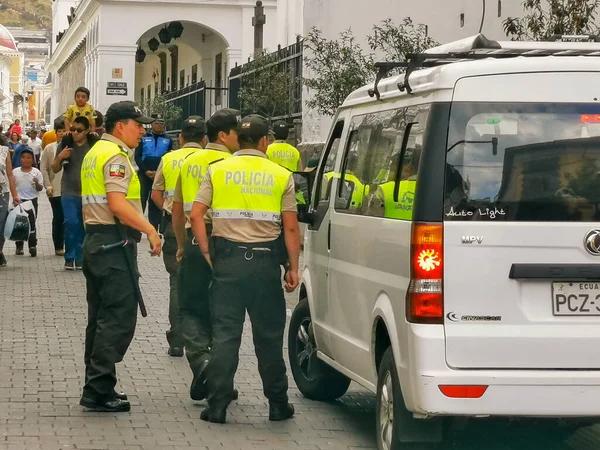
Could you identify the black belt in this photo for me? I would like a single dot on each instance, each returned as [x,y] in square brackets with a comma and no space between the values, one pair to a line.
[225,247]
[112,229]
[168,217]
[190,232]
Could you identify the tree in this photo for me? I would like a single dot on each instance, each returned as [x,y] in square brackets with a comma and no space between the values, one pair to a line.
[267,87]
[341,66]
[159,105]
[545,18]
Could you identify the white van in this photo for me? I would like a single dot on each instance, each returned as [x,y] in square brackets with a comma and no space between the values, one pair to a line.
[453,245]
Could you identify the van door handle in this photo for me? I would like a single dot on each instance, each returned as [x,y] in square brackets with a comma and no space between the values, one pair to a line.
[329,236]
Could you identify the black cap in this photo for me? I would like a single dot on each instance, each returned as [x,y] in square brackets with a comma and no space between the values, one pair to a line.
[253,127]
[126,110]
[158,117]
[224,119]
[194,125]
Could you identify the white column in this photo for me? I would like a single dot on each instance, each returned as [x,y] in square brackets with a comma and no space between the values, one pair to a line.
[55,93]
[114,57]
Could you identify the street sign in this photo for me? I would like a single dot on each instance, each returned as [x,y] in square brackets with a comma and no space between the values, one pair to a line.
[117,84]
[115,91]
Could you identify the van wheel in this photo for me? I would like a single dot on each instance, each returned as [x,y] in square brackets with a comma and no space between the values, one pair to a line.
[315,379]
[396,427]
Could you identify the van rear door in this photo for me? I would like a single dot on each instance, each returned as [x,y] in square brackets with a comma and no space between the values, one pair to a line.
[521,231]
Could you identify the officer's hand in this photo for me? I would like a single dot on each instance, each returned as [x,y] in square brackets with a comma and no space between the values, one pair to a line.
[292,280]
[179,255]
[207,257]
[155,244]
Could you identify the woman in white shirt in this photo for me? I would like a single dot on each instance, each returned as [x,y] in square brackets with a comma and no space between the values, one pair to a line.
[29,182]
[7,188]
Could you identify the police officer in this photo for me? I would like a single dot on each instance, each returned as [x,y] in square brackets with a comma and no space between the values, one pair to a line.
[282,153]
[250,197]
[148,155]
[195,274]
[113,219]
[192,138]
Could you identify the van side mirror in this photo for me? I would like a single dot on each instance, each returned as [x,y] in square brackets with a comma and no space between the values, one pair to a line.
[303,182]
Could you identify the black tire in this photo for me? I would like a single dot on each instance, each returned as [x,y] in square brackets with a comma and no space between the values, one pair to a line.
[315,379]
[404,431]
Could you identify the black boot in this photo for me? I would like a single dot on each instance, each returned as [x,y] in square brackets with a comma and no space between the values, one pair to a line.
[213,416]
[116,405]
[279,412]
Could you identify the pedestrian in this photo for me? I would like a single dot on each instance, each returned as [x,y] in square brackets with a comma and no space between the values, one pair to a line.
[3,138]
[195,275]
[69,161]
[148,155]
[29,182]
[14,141]
[192,138]
[250,197]
[7,188]
[81,108]
[100,130]
[282,153]
[53,184]
[36,145]
[24,145]
[114,225]
[16,128]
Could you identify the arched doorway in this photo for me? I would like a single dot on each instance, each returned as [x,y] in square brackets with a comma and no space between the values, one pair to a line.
[182,64]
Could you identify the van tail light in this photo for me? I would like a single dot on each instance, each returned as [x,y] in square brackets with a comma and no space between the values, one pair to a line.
[456,391]
[424,299]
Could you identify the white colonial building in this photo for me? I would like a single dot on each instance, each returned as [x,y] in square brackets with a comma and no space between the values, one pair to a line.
[134,49]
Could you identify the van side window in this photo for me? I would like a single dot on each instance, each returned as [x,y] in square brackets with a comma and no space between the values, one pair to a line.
[371,161]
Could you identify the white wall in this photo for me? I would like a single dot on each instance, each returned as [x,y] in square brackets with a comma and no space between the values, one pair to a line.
[60,10]
[290,21]
[441,16]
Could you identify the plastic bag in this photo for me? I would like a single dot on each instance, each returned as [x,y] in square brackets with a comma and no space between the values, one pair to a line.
[17,226]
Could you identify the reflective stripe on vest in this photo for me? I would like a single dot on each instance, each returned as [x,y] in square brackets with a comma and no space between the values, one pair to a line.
[171,168]
[155,147]
[403,208]
[284,154]
[193,169]
[248,187]
[93,189]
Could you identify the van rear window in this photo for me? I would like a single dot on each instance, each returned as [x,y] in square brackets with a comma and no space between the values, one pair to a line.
[523,162]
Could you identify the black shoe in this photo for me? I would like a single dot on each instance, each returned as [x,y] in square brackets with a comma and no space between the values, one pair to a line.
[116,405]
[69,265]
[19,251]
[33,252]
[3,262]
[175,351]
[277,413]
[198,389]
[121,395]
[215,417]
[78,266]
[235,395]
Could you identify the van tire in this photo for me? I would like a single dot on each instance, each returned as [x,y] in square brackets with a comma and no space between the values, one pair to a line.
[315,379]
[403,432]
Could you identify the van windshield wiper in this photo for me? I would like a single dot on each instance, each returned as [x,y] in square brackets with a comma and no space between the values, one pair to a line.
[493,141]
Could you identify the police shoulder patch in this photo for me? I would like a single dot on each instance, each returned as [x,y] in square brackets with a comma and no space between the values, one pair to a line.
[117,170]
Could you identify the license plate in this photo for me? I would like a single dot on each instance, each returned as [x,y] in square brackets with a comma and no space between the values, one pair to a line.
[574,298]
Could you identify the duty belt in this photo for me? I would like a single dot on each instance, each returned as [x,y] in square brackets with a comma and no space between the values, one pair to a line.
[249,250]
[112,229]
[190,233]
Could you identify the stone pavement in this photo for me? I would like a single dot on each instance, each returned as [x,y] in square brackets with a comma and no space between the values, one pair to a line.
[42,323]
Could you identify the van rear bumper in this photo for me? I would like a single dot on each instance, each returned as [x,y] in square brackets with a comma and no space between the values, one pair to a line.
[514,393]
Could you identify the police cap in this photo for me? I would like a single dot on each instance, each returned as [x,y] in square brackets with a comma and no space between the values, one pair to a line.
[223,119]
[281,129]
[158,118]
[253,127]
[126,110]
[194,125]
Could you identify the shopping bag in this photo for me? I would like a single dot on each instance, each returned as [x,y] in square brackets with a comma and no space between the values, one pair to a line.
[17,226]
[28,208]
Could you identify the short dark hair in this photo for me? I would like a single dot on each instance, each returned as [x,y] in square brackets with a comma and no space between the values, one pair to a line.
[86,91]
[193,136]
[213,132]
[111,124]
[99,118]
[247,142]
[83,121]
[59,124]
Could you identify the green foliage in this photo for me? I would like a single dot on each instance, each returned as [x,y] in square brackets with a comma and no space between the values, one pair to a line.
[267,87]
[338,67]
[159,105]
[29,14]
[545,18]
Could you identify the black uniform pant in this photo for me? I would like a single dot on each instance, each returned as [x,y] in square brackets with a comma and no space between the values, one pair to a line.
[246,280]
[58,226]
[112,312]
[174,334]
[154,213]
[195,276]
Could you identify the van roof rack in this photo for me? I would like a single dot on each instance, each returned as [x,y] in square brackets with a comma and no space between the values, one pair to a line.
[479,47]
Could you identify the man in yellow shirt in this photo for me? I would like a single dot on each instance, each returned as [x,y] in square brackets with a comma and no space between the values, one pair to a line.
[282,153]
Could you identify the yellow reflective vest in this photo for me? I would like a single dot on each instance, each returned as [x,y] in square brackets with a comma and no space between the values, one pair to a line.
[284,154]
[193,169]
[248,187]
[403,208]
[171,168]
[93,189]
